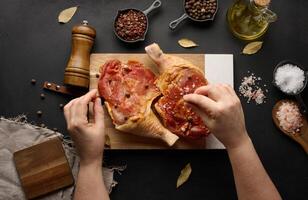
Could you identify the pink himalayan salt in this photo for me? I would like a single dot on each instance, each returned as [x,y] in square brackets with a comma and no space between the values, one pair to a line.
[251,90]
[289,117]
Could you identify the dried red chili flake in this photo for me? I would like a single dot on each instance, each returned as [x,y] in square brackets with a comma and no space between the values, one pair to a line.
[131,25]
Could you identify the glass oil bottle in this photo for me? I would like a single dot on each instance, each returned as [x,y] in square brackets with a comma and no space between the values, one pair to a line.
[250,19]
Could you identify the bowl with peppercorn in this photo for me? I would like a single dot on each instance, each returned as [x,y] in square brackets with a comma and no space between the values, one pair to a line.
[198,11]
[131,25]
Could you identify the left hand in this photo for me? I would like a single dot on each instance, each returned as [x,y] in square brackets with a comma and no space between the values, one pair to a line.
[89,137]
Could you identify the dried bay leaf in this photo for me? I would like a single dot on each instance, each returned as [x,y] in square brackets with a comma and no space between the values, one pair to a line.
[187,43]
[67,14]
[252,48]
[185,173]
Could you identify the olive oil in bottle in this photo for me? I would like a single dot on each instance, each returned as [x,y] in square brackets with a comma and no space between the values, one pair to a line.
[250,19]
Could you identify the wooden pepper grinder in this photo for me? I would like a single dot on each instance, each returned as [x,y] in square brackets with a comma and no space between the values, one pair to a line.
[77,69]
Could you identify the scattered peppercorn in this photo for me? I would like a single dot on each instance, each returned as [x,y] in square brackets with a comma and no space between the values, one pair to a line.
[61,106]
[201,9]
[39,113]
[58,87]
[33,81]
[130,25]
[42,96]
[22,119]
[48,85]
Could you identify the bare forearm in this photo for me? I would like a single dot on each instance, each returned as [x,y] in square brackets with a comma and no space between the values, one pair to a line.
[90,183]
[251,179]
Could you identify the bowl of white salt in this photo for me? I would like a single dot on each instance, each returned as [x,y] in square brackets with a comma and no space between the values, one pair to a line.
[291,79]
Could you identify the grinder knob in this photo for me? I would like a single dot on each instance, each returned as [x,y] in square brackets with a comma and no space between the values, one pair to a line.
[77,69]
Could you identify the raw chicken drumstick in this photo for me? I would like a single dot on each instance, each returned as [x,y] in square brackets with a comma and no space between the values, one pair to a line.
[177,77]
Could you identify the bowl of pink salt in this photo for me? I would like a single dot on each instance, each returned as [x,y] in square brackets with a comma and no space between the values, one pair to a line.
[291,79]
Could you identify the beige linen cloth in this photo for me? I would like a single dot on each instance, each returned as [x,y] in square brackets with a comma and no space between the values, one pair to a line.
[16,134]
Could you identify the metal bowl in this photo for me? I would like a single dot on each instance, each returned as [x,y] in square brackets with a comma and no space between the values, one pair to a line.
[302,106]
[284,62]
[155,4]
[175,23]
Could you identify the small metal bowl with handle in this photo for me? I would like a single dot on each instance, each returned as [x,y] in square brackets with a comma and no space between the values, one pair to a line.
[297,95]
[155,4]
[175,23]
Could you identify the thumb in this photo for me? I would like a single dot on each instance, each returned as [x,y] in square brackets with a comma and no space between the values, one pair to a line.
[98,113]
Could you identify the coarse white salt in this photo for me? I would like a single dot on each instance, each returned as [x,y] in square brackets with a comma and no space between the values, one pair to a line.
[290,78]
[289,117]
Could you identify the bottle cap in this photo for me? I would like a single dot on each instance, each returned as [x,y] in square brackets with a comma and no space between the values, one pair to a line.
[84,29]
[262,3]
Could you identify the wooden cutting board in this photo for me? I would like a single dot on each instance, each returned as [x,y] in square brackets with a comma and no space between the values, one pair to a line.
[217,68]
[43,168]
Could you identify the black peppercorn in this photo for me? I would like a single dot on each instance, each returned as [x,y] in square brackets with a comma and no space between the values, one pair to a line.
[200,9]
[39,113]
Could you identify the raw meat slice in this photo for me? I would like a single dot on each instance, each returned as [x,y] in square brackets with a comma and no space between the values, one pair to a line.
[129,90]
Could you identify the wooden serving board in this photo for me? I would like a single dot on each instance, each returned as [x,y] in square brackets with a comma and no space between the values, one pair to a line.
[219,68]
[43,168]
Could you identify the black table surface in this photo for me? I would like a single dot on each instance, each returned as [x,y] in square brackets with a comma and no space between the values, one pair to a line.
[34,45]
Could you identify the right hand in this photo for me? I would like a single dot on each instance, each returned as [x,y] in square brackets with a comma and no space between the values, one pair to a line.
[89,137]
[222,113]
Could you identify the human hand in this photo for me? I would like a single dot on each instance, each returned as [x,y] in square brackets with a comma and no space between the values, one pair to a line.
[221,111]
[89,138]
